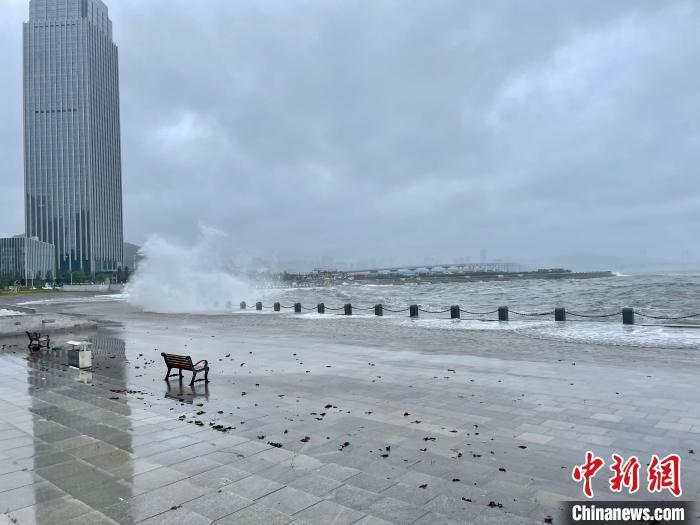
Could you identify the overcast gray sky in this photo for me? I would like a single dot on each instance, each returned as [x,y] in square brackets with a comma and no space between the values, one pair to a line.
[399,129]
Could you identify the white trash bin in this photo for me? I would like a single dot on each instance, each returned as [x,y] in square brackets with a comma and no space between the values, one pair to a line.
[80,354]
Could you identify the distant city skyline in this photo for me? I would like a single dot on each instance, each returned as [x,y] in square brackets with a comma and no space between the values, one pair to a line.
[72,149]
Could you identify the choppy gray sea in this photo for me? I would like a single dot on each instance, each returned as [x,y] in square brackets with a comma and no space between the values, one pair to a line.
[668,295]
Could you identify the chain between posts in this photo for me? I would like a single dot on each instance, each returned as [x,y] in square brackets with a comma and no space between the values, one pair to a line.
[551,312]
[434,312]
[479,313]
[592,316]
[560,313]
[668,318]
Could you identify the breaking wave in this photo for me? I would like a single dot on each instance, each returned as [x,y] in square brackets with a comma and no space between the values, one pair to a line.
[173,278]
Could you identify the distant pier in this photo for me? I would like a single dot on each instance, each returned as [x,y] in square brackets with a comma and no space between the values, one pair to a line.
[434,274]
[462,277]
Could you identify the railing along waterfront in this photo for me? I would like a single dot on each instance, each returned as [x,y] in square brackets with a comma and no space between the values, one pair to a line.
[502,313]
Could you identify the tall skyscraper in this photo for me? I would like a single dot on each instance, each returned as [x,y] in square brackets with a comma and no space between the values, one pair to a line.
[72,150]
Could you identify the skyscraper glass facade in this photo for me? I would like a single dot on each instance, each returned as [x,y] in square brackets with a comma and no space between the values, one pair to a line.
[72,144]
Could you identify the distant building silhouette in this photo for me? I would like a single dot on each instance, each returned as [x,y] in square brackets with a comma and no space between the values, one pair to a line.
[131,255]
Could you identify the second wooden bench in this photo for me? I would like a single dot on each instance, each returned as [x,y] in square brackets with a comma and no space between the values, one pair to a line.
[184,362]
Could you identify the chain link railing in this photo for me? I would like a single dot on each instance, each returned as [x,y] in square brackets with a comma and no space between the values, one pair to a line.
[456,312]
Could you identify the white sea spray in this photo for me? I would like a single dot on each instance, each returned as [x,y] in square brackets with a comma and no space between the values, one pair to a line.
[173,278]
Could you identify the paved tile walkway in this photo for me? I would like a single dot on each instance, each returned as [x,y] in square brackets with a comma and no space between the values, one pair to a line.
[368,436]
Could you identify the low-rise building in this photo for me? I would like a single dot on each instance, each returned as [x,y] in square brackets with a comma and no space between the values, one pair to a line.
[26,258]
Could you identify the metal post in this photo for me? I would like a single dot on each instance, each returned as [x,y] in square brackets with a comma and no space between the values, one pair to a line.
[378,310]
[258,306]
[297,308]
[628,316]
[454,312]
[560,314]
[502,313]
[243,305]
[413,310]
[276,307]
[321,308]
[348,309]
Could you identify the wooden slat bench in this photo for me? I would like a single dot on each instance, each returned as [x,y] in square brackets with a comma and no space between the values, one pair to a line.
[184,362]
[36,340]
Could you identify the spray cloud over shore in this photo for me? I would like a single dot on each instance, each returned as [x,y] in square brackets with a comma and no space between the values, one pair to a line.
[187,279]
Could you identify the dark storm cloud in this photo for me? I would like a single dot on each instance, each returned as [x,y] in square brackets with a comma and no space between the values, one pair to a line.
[386,129]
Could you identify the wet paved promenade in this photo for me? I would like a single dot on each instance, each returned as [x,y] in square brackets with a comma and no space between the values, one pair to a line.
[478,428]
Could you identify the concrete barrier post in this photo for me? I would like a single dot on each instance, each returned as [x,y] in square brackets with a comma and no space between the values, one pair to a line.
[560,314]
[502,313]
[348,309]
[413,310]
[378,310]
[276,307]
[258,306]
[243,305]
[297,308]
[454,312]
[628,316]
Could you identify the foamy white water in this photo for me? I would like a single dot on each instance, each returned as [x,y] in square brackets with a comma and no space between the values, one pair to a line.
[186,279]
[76,299]
[616,334]
[7,313]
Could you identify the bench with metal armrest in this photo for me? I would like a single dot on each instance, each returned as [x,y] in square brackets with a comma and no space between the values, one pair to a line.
[37,341]
[184,362]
